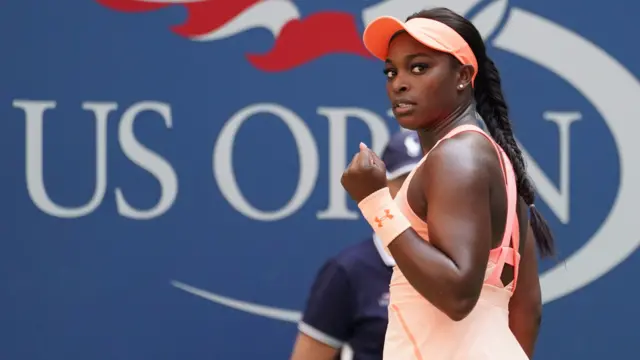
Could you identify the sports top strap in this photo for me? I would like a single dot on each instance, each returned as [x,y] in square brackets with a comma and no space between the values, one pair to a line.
[504,253]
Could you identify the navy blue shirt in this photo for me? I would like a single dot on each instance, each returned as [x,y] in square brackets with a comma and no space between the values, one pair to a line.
[347,306]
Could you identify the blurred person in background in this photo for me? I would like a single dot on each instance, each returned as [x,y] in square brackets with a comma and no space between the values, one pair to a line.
[348,301]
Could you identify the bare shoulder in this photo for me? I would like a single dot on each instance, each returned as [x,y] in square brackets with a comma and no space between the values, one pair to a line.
[466,154]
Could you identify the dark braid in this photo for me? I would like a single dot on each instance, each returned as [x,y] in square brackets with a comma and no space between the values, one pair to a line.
[494,111]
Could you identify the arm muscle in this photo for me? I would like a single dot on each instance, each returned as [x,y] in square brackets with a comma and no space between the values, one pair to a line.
[448,270]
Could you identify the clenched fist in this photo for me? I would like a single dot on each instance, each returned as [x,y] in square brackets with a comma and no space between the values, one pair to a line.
[365,174]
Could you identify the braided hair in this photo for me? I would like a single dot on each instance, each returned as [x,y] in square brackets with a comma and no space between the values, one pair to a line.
[493,109]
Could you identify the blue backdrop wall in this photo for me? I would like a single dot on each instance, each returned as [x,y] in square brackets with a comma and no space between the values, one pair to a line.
[170,170]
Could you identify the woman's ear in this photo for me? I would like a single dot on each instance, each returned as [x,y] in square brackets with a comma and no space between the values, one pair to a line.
[464,76]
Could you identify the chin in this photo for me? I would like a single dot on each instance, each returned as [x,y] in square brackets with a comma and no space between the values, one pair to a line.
[410,122]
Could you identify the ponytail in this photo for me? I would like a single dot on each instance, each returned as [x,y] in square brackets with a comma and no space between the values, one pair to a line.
[493,109]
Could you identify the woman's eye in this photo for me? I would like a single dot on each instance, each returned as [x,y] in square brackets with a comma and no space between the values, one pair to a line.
[418,68]
[389,73]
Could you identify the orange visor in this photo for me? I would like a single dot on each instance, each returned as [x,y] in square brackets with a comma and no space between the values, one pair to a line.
[430,33]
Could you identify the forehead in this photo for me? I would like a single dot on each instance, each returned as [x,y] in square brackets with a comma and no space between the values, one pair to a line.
[404,45]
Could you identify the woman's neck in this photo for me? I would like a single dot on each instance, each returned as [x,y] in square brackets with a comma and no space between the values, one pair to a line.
[462,115]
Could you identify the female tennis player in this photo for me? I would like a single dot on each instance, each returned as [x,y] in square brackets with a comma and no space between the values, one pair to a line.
[465,287]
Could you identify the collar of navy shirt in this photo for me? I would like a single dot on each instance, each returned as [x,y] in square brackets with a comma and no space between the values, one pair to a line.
[386,258]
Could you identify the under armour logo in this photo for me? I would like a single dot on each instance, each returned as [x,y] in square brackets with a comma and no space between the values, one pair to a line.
[387,215]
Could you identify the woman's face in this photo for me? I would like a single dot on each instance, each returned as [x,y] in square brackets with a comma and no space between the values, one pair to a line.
[421,83]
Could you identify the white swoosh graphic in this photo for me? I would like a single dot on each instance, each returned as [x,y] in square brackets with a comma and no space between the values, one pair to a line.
[256,309]
[279,13]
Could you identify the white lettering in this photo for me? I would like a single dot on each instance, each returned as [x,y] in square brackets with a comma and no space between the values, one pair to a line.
[558,199]
[34,117]
[338,208]
[223,162]
[156,165]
